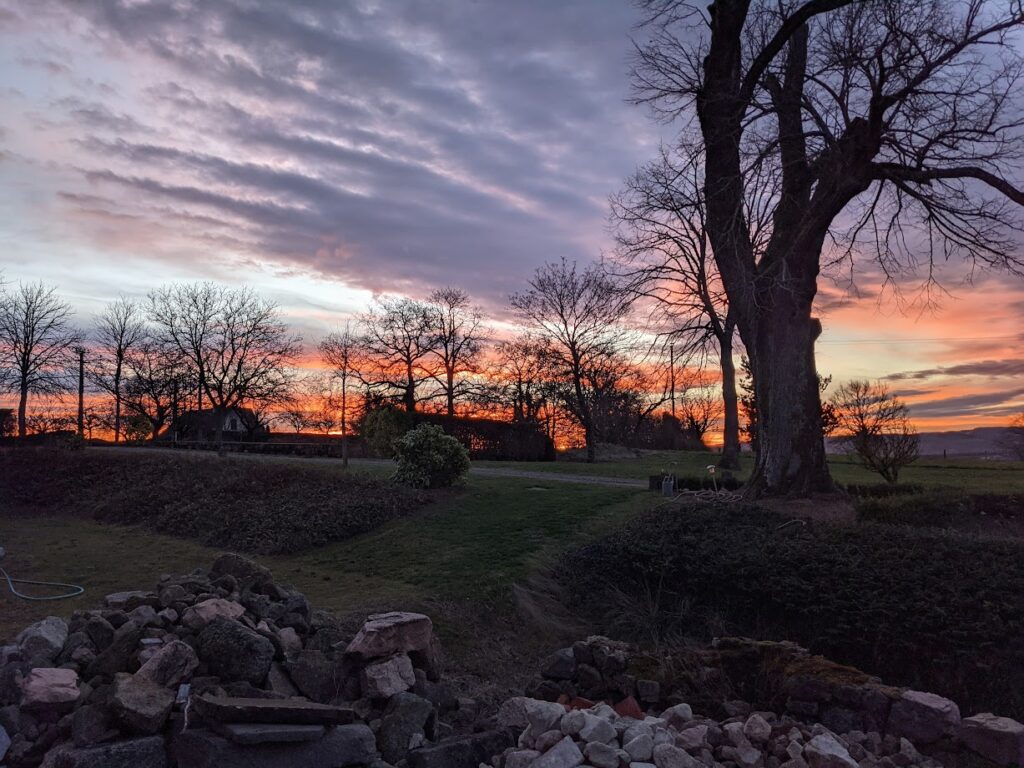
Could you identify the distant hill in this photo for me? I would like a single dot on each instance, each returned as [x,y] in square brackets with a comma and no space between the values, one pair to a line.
[980,442]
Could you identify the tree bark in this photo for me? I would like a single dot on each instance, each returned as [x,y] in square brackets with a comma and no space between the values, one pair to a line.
[451,392]
[22,408]
[344,422]
[791,447]
[731,421]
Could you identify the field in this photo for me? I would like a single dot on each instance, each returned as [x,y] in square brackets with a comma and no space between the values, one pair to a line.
[974,475]
[461,556]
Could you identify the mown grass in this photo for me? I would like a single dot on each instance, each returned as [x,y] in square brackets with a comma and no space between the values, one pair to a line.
[974,475]
[470,545]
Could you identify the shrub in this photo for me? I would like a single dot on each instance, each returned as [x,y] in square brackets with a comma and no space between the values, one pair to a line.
[925,608]
[382,427]
[428,458]
[940,509]
[252,506]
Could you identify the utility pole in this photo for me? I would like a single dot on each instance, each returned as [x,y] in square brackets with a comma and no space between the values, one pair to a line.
[81,391]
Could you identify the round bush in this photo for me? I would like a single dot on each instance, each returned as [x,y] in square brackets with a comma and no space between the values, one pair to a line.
[428,458]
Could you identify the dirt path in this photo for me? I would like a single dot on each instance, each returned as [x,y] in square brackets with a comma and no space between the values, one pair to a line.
[475,470]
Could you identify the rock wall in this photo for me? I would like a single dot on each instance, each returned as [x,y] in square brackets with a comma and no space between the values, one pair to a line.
[228,668]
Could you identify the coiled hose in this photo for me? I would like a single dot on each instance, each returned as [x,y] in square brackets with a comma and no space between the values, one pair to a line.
[73,590]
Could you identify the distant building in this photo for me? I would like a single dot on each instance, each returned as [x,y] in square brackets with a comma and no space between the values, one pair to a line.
[239,424]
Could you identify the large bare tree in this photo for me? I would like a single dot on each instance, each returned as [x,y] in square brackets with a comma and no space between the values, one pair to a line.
[875,425]
[234,341]
[398,341]
[184,315]
[457,337]
[155,376]
[118,331]
[660,220]
[37,344]
[891,127]
[580,313]
[342,352]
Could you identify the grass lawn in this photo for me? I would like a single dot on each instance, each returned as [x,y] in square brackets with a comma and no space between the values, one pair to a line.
[471,545]
[975,475]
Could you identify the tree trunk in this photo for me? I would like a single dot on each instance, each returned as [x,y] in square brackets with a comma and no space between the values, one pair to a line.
[219,415]
[344,423]
[81,393]
[410,391]
[451,392]
[22,408]
[588,434]
[731,422]
[791,446]
[117,402]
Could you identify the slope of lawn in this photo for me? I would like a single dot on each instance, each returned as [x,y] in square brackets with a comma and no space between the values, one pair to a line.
[974,475]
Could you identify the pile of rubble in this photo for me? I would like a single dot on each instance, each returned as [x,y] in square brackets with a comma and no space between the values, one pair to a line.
[226,668]
[833,716]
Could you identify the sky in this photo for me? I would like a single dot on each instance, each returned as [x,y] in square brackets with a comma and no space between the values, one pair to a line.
[323,152]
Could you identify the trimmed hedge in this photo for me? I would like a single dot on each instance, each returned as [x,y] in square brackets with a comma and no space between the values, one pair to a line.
[924,608]
[940,509]
[250,506]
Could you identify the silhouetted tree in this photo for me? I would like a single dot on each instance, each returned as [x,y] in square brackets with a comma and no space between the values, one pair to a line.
[118,330]
[663,244]
[456,339]
[875,424]
[887,126]
[398,342]
[579,312]
[1012,442]
[342,351]
[235,341]
[37,343]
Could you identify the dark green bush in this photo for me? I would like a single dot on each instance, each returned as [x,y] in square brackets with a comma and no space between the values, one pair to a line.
[428,458]
[249,505]
[382,427]
[926,608]
[948,508]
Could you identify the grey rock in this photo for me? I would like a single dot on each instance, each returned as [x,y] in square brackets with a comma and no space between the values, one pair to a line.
[118,654]
[560,665]
[92,724]
[269,733]
[322,677]
[171,665]
[678,715]
[640,748]
[565,754]
[386,634]
[670,756]
[602,755]
[50,689]
[287,711]
[134,753]
[345,745]
[246,572]
[407,716]
[825,751]
[234,652]
[462,752]
[384,679]
[142,705]
[757,729]
[923,717]
[44,639]
[998,739]
[543,715]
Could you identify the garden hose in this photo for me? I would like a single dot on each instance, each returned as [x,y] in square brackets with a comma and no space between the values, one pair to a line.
[73,590]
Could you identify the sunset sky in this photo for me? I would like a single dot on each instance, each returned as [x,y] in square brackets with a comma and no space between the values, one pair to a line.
[324,151]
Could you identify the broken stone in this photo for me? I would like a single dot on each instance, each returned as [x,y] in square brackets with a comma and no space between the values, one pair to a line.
[825,751]
[134,753]
[346,745]
[407,716]
[998,739]
[234,652]
[44,639]
[923,717]
[50,689]
[283,711]
[170,665]
[386,678]
[385,634]
[669,756]
[268,733]
[201,614]
[565,754]
[464,752]
[560,665]
[757,729]
[141,704]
